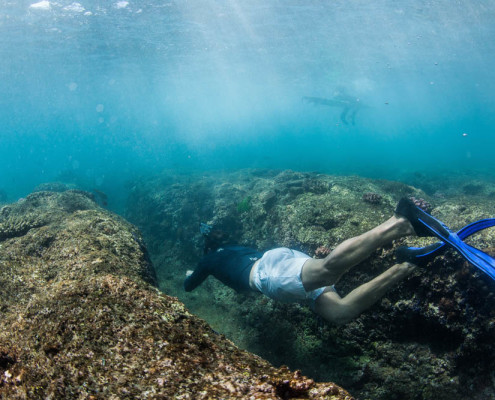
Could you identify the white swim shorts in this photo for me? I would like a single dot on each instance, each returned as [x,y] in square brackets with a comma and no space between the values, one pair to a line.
[278,276]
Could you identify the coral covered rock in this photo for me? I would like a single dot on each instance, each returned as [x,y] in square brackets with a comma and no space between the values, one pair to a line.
[81,320]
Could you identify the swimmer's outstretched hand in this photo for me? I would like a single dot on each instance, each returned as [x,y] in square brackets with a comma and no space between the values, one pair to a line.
[189,272]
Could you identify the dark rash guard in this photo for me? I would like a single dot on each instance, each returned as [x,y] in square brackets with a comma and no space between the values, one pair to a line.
[231,265]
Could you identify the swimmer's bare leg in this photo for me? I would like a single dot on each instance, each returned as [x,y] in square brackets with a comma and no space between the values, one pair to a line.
[326,272]
[336,309]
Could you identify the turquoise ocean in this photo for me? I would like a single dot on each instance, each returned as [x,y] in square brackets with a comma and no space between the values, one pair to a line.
[105,91]
[150,104]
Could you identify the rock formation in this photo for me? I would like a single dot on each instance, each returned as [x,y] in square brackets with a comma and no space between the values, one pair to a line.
[81,319]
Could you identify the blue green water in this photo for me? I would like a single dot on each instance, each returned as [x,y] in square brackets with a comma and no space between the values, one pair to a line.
[104,91]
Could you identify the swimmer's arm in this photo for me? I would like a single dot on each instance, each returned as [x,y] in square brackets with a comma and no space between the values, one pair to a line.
[195,278]
[338,310]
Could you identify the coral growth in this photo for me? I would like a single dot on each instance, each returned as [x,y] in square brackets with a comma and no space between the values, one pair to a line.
[372,198]
[422,203]
[322,252]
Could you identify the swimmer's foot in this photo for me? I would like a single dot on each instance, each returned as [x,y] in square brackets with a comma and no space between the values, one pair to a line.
[419,256]
[424,224]
[403,254]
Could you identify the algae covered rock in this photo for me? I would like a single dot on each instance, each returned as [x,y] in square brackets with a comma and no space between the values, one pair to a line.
[82,320]
[429,338]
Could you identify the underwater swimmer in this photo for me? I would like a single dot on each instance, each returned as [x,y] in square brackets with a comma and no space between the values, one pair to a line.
[291,276]
[350,105]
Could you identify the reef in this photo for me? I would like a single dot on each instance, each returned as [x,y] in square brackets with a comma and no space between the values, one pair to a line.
[429,338]
[82,317]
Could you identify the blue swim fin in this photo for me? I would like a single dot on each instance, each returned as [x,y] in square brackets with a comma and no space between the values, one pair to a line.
[422,255]
[426,225]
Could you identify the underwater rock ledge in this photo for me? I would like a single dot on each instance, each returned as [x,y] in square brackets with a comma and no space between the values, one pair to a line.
[82,319]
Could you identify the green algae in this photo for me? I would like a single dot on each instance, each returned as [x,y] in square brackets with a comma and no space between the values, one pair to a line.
[244,205]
